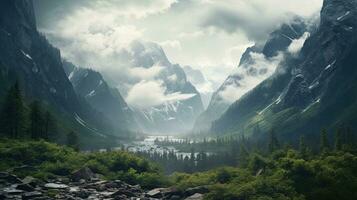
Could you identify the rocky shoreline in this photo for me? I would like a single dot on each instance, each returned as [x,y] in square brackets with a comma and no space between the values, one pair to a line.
[83,184]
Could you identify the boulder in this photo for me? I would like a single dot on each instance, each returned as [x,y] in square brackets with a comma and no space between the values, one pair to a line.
[9,178]
[84,173]
[55,186]
[31,195]
[199,189]
[196,196]
[31,181]
[155,193]
[122,192]
[163,193]
[25,187]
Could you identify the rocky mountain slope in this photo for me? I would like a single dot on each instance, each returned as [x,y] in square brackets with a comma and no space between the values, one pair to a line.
[182,102]
[257,63]
[27,56]
[91,86]
[316,89]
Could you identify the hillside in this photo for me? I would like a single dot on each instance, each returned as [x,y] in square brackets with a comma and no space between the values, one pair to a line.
[316,89]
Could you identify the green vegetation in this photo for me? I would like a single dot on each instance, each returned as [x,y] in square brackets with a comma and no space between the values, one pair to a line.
[266,169]
[19,120]
[282,175]
[47,160]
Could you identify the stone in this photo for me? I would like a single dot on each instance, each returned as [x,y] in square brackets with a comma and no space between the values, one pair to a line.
[155,193]
[84,173]
[122,191]
[199,189]
[31,195]
[196,196]
[31,181]
[12,191]
[2,196]
[55,186]
[25,187]
[9,178]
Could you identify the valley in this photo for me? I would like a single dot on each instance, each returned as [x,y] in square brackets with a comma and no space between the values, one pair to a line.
[242,101]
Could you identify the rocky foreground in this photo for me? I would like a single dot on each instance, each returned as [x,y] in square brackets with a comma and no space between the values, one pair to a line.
[84,184]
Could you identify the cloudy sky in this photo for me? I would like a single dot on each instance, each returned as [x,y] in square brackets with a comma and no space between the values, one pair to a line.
[209,36]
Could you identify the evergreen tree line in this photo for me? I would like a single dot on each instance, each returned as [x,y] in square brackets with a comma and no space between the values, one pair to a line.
[19,120]
[237,151]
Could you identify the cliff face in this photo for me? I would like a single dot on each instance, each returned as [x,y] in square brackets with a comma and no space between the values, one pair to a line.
[27,56]
[251,68]
[92,87]
[314,90]
[174,115]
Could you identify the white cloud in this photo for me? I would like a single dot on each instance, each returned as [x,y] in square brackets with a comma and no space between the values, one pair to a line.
[146,94]
[246,77]
[98,34]
[171,44]
[134,8]
[297,44]
[257,18]
[191,35]
[142,73]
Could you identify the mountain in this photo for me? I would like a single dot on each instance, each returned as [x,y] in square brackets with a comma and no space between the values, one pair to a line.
[175,101]
[313,90]
[256,64]
[92,87]
[27,56]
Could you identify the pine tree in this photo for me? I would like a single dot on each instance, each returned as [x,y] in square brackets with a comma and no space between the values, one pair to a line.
[36,121]
[73,140]
[324,145]
[339,139]
[50,127]
[13,121]
[273,142]
[243,156]
[303,147]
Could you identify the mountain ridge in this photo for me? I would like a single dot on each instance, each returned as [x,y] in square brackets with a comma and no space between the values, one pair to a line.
[317,89]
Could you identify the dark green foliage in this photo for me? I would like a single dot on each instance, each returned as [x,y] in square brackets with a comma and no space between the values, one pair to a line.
[50,127]
[73,140]
[273,142]
[16,122]
[52,160]
[338,140]
[36,121]
[324,144]
[13,113]
[286,177]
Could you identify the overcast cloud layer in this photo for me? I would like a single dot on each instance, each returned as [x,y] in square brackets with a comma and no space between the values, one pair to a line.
[208,35]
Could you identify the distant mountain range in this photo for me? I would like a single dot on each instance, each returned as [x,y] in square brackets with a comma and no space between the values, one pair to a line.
[176,114]
[84,98]
[256,64]
[91,86]
[309,91]
[27,56]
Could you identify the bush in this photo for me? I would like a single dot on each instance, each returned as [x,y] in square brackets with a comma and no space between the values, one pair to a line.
[53,160]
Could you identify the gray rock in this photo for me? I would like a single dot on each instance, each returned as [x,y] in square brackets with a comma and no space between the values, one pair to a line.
[12,191]
[55,186]
[31,181]
[83,173]
[9,178]
[196,196]
[31,195]
[199,189]
[155,193]
[25,187]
